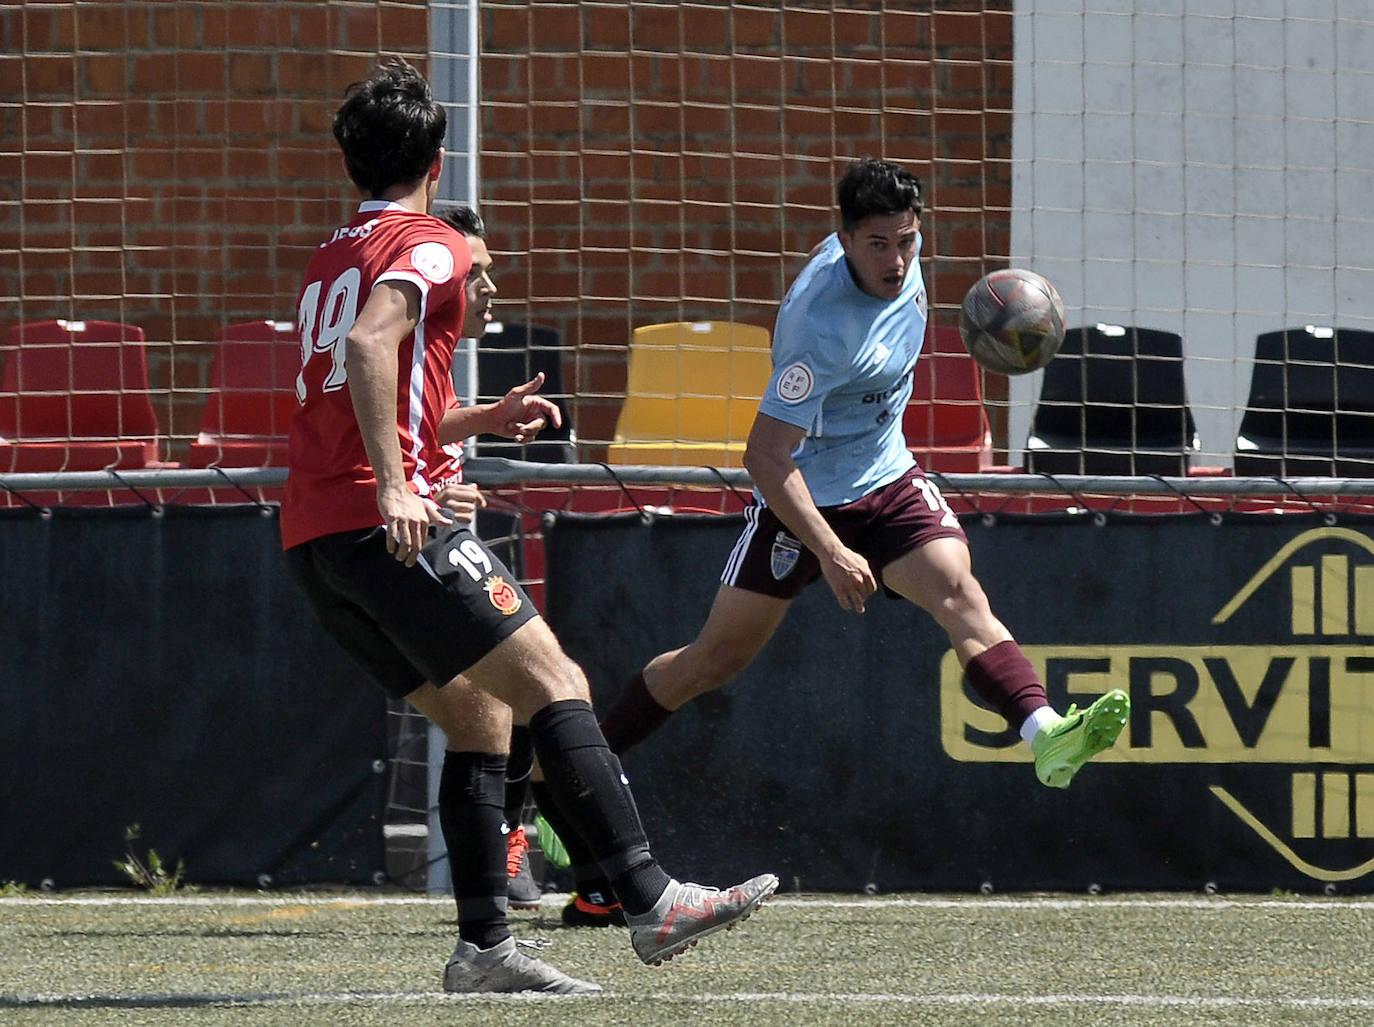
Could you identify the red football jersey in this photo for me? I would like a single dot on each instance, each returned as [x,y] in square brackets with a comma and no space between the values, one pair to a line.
[330,484]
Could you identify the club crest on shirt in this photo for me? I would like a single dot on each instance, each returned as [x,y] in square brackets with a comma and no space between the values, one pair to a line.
[434,260]
[783,559]
[503,594]
[795,383]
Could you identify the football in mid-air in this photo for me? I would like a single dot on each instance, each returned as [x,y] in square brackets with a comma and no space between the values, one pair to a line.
[1012,321]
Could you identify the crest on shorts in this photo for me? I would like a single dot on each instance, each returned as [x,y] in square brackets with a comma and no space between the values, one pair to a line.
[503,595]
[783,559]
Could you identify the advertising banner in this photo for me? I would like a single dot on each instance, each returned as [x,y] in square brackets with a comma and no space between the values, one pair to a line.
[851,754]
[162,673]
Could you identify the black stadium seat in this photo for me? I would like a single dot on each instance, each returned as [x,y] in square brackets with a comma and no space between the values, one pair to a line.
[510,355]
[1113,402]
[1311,405]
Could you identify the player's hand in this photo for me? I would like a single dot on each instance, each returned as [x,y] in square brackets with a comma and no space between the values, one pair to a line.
[461,501]
[408,518]
[850,578]
[520,414]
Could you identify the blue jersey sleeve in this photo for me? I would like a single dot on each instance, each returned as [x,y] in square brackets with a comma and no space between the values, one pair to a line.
[807,362]
[804,372]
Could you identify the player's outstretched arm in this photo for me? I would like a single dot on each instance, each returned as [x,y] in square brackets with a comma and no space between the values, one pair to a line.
[520,415]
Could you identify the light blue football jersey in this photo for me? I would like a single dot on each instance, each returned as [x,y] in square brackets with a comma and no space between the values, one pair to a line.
[842,363]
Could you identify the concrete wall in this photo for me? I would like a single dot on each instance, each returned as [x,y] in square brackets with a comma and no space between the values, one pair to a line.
[1204,168]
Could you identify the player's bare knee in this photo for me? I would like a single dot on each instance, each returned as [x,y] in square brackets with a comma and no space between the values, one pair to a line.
[565,680]
[547,685]
[718,664]
[963,603]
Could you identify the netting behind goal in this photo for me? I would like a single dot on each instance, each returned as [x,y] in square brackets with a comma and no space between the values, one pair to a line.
[1199,175]
[1194,178]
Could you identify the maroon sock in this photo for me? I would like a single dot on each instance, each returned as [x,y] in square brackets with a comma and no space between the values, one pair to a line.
[1006,681]
[633,717]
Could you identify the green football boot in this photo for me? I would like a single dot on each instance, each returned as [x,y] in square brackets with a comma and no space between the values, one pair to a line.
[1062,749]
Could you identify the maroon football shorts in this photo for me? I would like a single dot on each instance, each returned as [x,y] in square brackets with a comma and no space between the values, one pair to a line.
[887,523]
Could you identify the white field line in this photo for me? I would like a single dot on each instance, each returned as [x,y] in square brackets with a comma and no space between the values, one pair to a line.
[554,901]
[156,1000]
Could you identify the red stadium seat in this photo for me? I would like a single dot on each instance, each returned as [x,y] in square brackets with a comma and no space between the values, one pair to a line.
[946,424]
[252,397]
[74,397]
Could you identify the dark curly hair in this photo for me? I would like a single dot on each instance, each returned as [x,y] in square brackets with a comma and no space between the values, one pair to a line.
[461,217]
[871,186]
[389,127]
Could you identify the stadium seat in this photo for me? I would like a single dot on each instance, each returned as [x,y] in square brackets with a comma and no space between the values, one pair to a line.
[1113,402]
[252,397]
[692,392]
[946,424]
[510,355]
[1311,405]
[74,397]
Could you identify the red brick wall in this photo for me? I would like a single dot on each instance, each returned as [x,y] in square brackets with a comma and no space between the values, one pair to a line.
[170,164]
[641,163]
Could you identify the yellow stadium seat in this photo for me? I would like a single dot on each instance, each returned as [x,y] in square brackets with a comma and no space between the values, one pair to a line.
[693,390]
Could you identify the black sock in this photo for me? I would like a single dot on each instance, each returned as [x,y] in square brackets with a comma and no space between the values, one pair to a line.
[590,882]
[633,717]
[471,792]
[586,784]
[519,764]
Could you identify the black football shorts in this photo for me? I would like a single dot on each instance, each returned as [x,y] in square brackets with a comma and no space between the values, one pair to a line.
[411,625]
